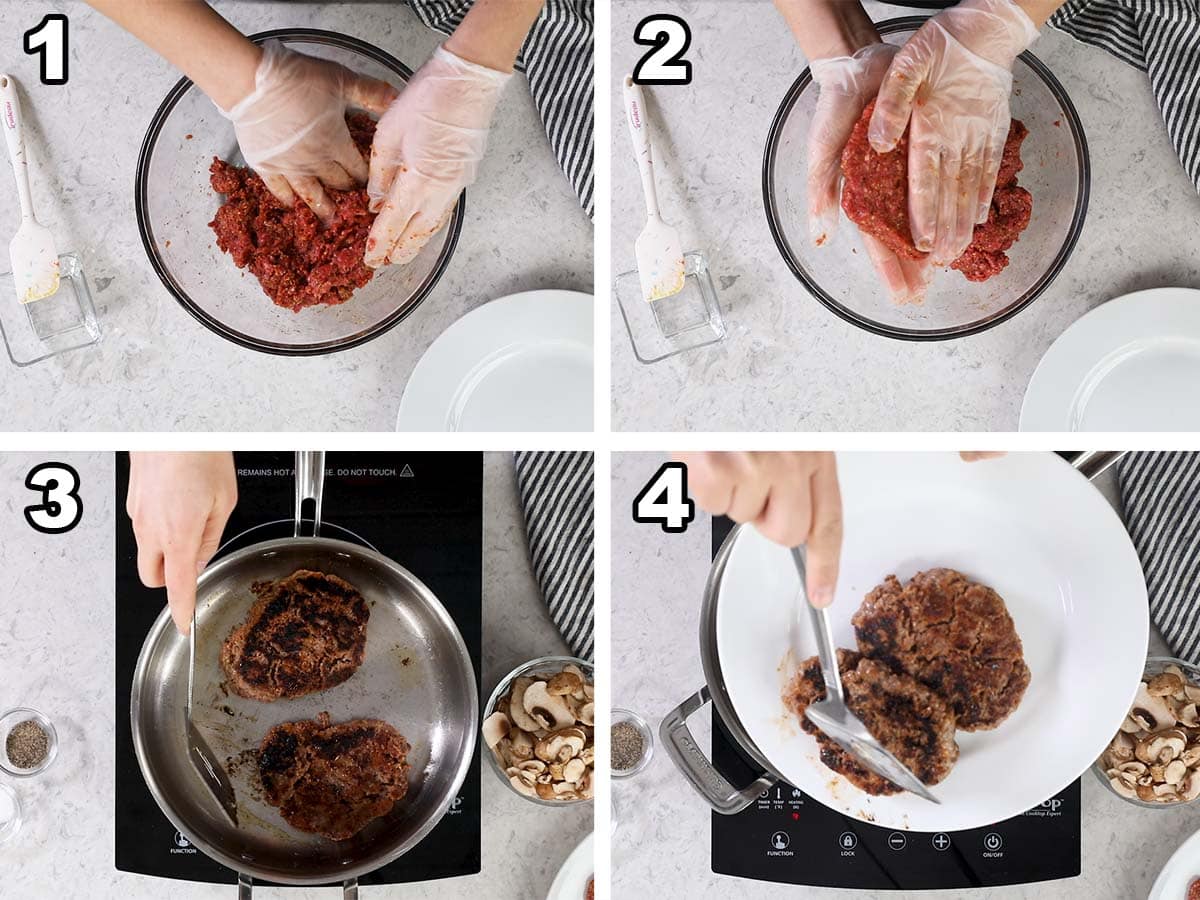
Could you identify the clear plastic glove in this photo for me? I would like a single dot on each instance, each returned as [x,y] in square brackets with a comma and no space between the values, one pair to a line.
[292,127]
[179,504]
[847,84]
[793,498]
[952,81]
[427,149]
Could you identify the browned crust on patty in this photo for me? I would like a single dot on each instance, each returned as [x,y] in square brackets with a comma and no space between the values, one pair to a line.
[954,636]
[304,633]
[333,780]
[907,718]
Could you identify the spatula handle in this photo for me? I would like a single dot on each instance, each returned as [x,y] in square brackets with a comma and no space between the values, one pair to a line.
[822,630]
[639,130]
[14,136]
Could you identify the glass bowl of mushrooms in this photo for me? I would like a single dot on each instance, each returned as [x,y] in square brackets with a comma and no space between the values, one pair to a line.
[1154,759]
[539,730]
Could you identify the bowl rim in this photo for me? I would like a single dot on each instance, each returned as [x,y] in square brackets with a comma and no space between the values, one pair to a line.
[620,714]
[890,26]
[1157,663]
[541,662]
[140,203]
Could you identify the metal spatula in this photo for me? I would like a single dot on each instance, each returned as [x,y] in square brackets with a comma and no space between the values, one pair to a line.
[832,715]
[199,752]
[34,256]
[659,250]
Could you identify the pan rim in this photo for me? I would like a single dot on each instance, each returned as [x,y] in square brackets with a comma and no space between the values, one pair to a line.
[349,871]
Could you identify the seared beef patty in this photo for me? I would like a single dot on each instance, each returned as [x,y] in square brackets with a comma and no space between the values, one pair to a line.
[954,636]
[907,718]
[304,633]
[333,779]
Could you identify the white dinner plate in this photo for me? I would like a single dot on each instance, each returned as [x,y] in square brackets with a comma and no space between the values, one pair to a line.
[520,363]
[1181,870]
[572,879]
[1027,525]
[1132,364]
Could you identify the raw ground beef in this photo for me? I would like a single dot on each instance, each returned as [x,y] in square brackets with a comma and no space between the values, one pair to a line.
[875,198]
[298,262]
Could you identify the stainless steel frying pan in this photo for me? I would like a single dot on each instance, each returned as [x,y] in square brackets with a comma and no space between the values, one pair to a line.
[416,675]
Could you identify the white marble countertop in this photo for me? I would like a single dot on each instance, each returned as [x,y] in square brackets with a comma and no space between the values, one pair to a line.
[662,841]
[56,654]
[788,364]
[157,368]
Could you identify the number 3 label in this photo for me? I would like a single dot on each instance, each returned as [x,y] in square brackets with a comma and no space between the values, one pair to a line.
[664,500]
[49,39]
[61,507]
[670,37]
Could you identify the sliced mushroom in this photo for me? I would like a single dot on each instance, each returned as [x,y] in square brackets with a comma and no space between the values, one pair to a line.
[522,745]
[516,704]
[573,771]
[564,684]
[587,713]
[1149,712]
[1174,772]
[524,787]
[548,791]
[1190,788]
[1165,684]
[495,728]
[548,711]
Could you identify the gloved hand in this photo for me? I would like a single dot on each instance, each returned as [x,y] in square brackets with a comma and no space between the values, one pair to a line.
[847,84]
[952,80]
[292,127]
[179,504]
[427,149]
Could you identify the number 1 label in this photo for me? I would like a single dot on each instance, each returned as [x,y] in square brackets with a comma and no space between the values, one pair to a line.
[48,39]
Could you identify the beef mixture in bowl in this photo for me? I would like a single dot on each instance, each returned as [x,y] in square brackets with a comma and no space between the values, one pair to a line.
[298,261]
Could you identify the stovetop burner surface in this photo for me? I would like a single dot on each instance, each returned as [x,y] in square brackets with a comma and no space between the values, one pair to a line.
[425,511]
[786,836]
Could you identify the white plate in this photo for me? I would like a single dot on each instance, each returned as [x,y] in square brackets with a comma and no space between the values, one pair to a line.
[520,363]
[572,879]
[1028,526]
[1181,870]
[1131,364]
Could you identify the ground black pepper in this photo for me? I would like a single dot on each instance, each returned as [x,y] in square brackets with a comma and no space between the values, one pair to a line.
[627,746]
[27,744]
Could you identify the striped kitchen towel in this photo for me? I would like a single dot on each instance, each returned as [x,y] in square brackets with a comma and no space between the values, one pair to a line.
[1160,37]
[1161,495]
[558,502]
[558,60]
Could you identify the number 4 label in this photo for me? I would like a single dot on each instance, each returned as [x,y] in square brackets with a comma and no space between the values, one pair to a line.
[664,500]
[670,37]
[49,40]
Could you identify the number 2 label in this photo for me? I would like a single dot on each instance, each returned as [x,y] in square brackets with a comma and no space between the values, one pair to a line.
[670,37]
[49,40]
[664,500]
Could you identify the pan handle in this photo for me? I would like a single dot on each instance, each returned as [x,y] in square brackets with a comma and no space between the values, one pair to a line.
[310,485]
[1093,463]
[350,889]
[697,768]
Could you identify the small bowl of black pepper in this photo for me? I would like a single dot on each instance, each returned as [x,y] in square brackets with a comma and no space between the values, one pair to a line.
[632,743]
[28,742]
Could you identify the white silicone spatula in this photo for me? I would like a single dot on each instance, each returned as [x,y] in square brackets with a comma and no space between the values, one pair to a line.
[34,256]
[659,250]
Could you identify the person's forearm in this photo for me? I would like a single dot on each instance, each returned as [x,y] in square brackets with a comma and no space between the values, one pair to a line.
[826,28]
[492,32]
[191,36]
[1039,10]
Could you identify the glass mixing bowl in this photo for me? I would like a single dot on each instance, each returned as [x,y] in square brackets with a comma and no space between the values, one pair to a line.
[175,203]
[840,275]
